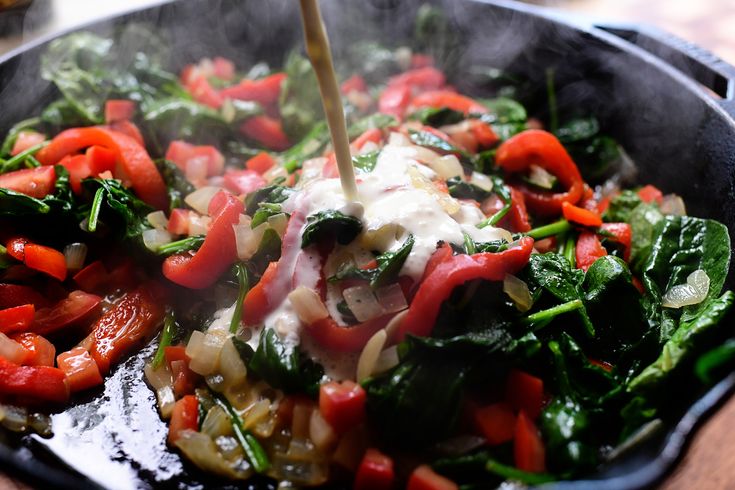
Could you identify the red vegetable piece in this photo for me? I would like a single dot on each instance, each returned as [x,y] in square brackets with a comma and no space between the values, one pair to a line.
[449,99]
[518,215]
[41,352]
[76,309]
[375,472]
[420,79]
[424,478]
[185,416]
[373,134]
[495,422]
[267,131]
[81,371]
[264,91]
[261,163]
[217,252]
[483,133]
[525,392]
[181,153]
[224,69]
[528,449]
[394,100]
[203,92]
[649,194]
[16,248]
[78,168]
[92,278]
[419,60]
[35,182]
[454,271]
[16,295]
[243,181]
[541,148]
[129,129]
[342,404]
[580,216]
[353,84]
[119,110]
[41,383]
[329,334]
[178,222]
[26,139]
[45,259]
[184,378]
[257,301]
[16,319]
[132,319]
[622,233]
[100,159]
[588,250]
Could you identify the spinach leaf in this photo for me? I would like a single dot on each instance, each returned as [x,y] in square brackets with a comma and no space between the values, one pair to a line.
[643,220]
[118,207]
[188,244]
[462,189]
[268,251]
[299,101]
[310,146]
[177,186]
[285,367]
[578,129]
[622,206]
[503,111]
[330,224]
[437,116]
[272,194]
[366,161]
[390,263]
[714,363]
[187,120]
[372,60]
[432,141]
[12,135]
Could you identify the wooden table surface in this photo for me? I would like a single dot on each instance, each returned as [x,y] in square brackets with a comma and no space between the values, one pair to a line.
[710,461]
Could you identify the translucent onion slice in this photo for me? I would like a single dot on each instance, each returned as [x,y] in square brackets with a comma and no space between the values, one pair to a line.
[247,239]
[14,418]
[387,360]
[321,433]
[196,169]
[159,377]
[482,181]
[369,355]
[11,350]
[231,367]
[693,292]
[541,177]
[307,304]
[157,219]
[166,400]
[75,254]
[278,223]
[447,166]
[201,450]
[204,351]
[198,225]
[153,238]
[391,298]
[217,423]
[673,204]
[362,302]
[199,199]
[518,292]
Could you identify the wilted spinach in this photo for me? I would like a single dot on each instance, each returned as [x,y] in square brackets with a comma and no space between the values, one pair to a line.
[330,224]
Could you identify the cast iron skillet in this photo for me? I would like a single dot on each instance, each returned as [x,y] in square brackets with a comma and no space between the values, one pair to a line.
[669,103]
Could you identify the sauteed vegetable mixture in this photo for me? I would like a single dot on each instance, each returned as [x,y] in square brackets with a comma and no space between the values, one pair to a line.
[496,306]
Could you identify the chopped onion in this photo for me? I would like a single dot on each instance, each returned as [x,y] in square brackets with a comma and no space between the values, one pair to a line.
[231,367]
[204,350]
[402,56]
[387,360]
[540,177]
[300,420]
[106,175]
[201,450]
[361,301]
[518,292]
[257,413]
[369,355]
[199,199]
[391,298]
[299,471]
[368,147]
[166,400]
[321,433]
[307,304]
[482,181]
[11,350]
[275,172]
[217,423]
[157,219]
[153,238]
[380,238]
[75,254]
[247,239]
[673,205]
[227,111]
[693,292]
[278,223]
[426,156]
[14,418]
[159,377]
[398,139]
[448,166]
[198,225]
[196,169]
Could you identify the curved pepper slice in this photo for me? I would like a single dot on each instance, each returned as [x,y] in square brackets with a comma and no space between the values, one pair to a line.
[454,271]
[218,251]
[328,333]
[133,160]
[449,99]
[37,382]
[537,147]
[589,248]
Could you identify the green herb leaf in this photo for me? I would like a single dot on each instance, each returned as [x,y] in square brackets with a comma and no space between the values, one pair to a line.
[330,224]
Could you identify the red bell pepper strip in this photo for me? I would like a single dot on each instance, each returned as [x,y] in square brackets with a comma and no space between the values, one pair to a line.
[528,449]
[41,383]
[454,271]
[588,250]
[41,352]
[35,182]
[264,91]
[78,308]
[26,139]
[580,216]
[81,371]
[185,416]
[375,472]
[119,110]
[518,215]
[525,392]
[16,318]
[17,295]
[257,303]
[424,478]
[373,134]
[342,404]
[329,334]
[267,131]
[622,233]
[496,422]
[649,194]
[78,168]
[127,128]
[132,319]
[218,251]
[541,148]
[16,248]
[93,278]
[394,100]
[420,79]
[45,259]
[448,99]
[133,160]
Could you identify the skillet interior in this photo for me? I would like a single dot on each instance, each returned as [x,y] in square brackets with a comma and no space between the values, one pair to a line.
[681,140]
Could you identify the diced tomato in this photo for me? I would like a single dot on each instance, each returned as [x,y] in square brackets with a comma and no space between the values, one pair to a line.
[16,319]
[342,404]
[495,422]
[131,320]
[243,181]
[261,163]
[264,91]
[124,276]
[375,472]
[175,353]
[92,278]
[41,383]
[184,378]
[26,139]
[374,134]
[81,371]
[100,159]
[580,216]
[203,92]
[78,168]
[483,133]
[41,352]
[266,131]
[528,449]
[525,392]
[424,478]
[224,69]
[181,152]
[129,129]
[16,248]
[185,416]
[622,233]
[35,182]
[119,110]
[45,259]
[178,221]
[394,100]
[16,295]
[76,309]
[449,99]
[588,250]
[601,364]
[649,194]
[353,84]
